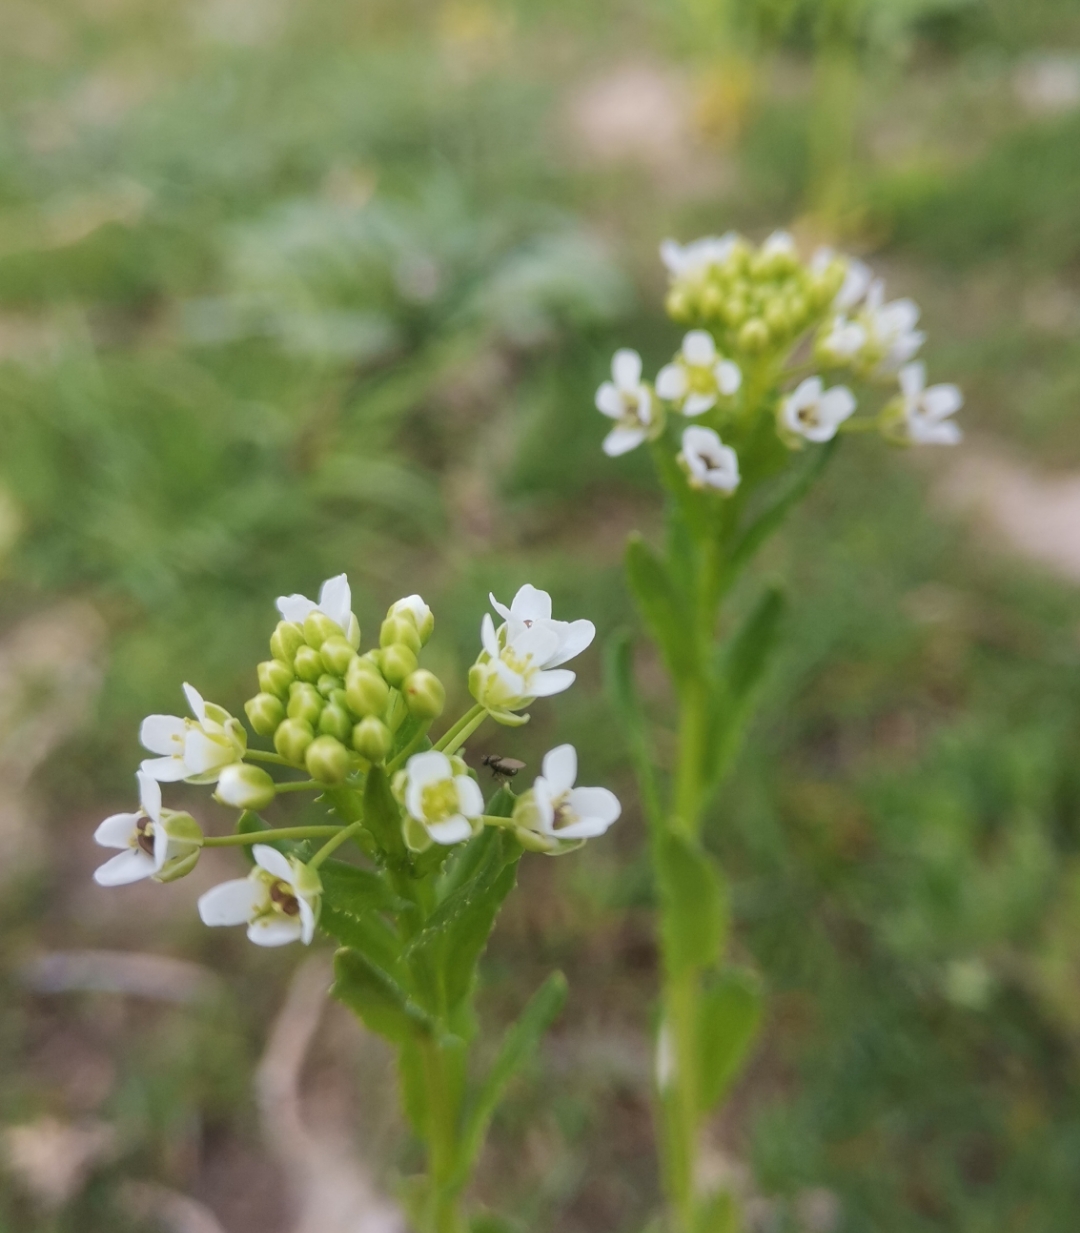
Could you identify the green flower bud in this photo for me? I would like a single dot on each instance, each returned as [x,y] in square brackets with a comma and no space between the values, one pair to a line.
[678,305]
[734,312]
[264,713]
[308,664]
[327,759]
[327,684]
[337,655]
[372,658]
[398,662]
[292,739]
[338,697]
[366,692]
[413,608]
[286,640]
[754,336]
[318,627]
[245,787]
[372,739]
[712,300]
[305,702]
[399,630]
[424,694]
[275,677]
[776,317]
[336,721]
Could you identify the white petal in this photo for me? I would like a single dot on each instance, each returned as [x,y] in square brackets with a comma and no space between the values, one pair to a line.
[164,770]
[698,404]
[488,638]
[596,804]
[544,684]
[626,369]
[856,280]
[942,400]
[335,600]
[414,800]
[231,903]
[453,830]
[203,754]
[149,795]
[116,830]
[501,609]
[574,639]
[470,798]
[622,441]
[609,401]
[728,377]
[162,734]
[531,604]
[912,378]
[670,382]
[274,862]
[924,432]
[560,768]
[538,641]
[130,866]
[699,349]
[195,701]
[307,921]
[837,405]
[671,254]
[296,608]
[429,767]
[274,931]
[161,846]
[545,806]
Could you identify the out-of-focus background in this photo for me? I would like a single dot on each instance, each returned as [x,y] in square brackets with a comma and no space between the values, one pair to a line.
[294,287]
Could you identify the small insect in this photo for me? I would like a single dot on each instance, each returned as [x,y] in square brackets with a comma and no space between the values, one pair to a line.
[505,768]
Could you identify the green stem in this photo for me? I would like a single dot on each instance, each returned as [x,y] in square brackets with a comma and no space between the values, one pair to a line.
[342,835]
[444,1215]
[261,755]
[301,785]
[459,740]
[399,758]
[270,836]
[451,733]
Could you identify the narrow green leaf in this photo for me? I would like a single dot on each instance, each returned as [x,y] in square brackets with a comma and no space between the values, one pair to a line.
[695,909]
[357,890]
[367,933]
[719,1213]
[622,692]
[730,1014]
[519,1044]
[663,608]
[378,999]
[382,814]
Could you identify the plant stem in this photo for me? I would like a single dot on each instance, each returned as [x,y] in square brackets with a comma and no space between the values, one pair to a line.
[449,741]
[300,785]
[444,1215]
[341,835]
[270,836]
[261,755]
[401,757]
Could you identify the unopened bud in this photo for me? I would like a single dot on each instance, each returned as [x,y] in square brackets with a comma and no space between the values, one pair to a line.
[413,607]
[327,684]
[286,640]
[308,664]
[275,677]
[372,739]
[327,759]
[366,692]
[776,316]
[318,627]
[245,787]
[336,721]
[398,662]
[754,336]
[264,713]
[337,654]
[399,630]
[712,300]
[677,305]
[292,739]
[305,702]
[424,694]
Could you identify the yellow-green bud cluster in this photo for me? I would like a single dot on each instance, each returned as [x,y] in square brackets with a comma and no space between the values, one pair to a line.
[755,299]
[326,706]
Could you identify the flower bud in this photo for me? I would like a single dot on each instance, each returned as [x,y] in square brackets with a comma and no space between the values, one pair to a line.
[372,739]
[424,694]
[305,702]
[264,713]
[327,759]
[327,684]
[245,787]
[318,627]
[776,316]
[712,300]
[399,630]
[677,305]
[337,655]
[308,664]
[275,677]
[398,662]
[366,692]
[286,640]
[336,721]
[754,336]
[372,658]
[414,608]
[292,739]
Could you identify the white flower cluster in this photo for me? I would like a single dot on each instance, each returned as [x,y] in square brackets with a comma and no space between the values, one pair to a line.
[753,308]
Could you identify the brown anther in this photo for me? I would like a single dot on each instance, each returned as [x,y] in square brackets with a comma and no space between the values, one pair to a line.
[284,899]
[145,840]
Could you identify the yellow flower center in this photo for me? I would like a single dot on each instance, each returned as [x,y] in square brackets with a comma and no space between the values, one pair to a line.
[439,801]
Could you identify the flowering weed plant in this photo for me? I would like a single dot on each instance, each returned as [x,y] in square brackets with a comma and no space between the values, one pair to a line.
[782,358]
[430,860]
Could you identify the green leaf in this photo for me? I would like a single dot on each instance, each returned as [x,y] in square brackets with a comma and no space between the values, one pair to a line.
[519,1044]
[719,1213]
[663,608]
[382,814]
[622,692]
[695,909]
[730,1014]
[367,933]
[357,890]
[378,999]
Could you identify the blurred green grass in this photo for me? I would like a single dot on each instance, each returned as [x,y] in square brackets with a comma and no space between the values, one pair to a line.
[289,290]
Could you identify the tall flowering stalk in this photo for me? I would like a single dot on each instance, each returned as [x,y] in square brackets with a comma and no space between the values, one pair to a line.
[782,357]
[429,860]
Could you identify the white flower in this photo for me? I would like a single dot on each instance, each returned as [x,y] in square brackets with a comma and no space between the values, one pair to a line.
[842,341]
[815,413]
[278,901]
[335,602]
[689,260]
[857,277]
[521,660]
[926,411]
[698,376]
[628,401]
[421,615]
[779,244]
[892,336]
[708,462]
[148,840]
[196,750]
[554,811]
[444,803]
